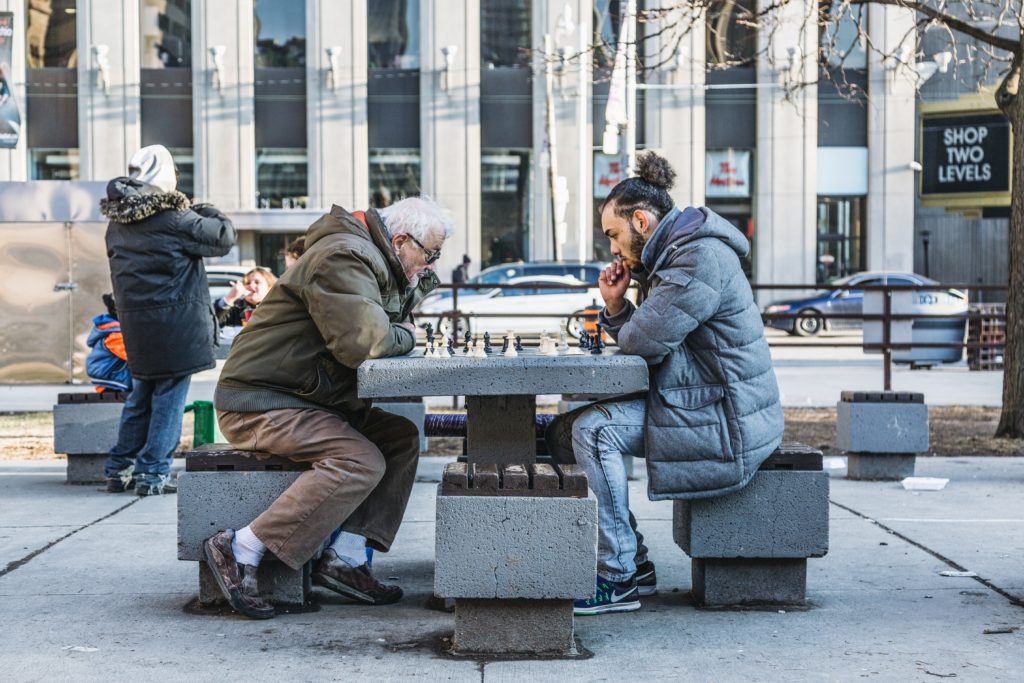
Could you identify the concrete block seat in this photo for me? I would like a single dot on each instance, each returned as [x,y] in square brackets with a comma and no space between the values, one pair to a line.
[226,488]
[751,547]
[516,544]
[881,432]
[85,428]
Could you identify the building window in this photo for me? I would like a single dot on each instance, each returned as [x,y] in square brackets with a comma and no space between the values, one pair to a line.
[280,32]
[186,170]
[394,175]
[505,33]
[165,34]
[282,174]
[842,38]
[53,164]
[505,186]
[393,34]
[842,236]
[731,33]
[281,178]
[50,34]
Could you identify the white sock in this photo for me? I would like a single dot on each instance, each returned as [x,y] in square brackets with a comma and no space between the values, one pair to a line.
[247,548]
[351,548]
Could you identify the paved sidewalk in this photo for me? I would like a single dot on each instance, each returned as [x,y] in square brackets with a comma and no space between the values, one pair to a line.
[92,591]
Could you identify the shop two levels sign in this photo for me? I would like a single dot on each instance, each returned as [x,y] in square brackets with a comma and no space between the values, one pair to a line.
[965,155]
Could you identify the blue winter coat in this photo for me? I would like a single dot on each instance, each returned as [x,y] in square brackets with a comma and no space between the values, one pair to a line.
[104,367]
[713,411]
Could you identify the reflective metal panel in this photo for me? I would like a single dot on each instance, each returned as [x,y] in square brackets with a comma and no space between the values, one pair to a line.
[90,272]
[35,303]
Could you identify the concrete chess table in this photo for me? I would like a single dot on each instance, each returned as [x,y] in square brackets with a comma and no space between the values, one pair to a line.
[513,563]
[501,393]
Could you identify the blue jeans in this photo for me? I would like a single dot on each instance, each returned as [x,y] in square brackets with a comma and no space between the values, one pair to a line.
[150,429]
[601,435]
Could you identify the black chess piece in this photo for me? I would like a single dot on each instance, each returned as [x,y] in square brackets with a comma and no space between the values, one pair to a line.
[504,344]
[451,346]
[429,329]
[519,343]
[597,347]
[468,338]
[487,342]
[583,340]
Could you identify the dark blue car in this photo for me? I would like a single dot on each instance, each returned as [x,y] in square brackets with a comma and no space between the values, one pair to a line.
[812,309]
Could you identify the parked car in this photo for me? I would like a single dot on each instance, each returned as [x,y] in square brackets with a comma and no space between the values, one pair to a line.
[496,275]
[811,310]
[220,278]
[523,296]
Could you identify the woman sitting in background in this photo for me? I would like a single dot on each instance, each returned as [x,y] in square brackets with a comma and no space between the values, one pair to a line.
[235,308]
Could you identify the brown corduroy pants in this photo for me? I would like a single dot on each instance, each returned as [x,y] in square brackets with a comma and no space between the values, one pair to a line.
[361,479]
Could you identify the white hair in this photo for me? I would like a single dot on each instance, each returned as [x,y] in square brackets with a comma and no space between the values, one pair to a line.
[420,217]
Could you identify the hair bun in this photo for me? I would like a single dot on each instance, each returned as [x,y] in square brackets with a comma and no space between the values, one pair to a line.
[655,170]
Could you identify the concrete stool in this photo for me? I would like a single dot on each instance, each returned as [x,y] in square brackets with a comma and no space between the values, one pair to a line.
[751,547]
[515,546]
[413,409]
[85,428]
[223,488]
[881,433]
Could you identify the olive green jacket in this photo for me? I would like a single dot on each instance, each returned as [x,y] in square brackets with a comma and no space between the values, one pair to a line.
[340,304]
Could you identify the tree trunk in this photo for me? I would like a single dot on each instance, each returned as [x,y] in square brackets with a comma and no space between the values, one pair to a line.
[1011,422]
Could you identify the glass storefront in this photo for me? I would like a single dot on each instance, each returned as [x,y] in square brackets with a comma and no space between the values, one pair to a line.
[280,32]
[842,236]
[731,33]
[393,34]
[394,175]
[281,178]
[53,164]
[50,34]
[165,32]
[185,164]
[505,186]
[842,38]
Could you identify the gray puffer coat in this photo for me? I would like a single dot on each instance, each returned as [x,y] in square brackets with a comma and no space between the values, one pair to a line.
[713,411]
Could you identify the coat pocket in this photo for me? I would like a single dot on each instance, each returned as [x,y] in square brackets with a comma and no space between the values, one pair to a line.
[690,423]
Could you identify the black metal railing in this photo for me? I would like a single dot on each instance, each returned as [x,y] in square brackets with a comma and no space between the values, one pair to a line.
[886,346]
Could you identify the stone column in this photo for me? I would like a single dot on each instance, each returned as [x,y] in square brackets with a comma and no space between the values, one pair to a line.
[785,229]
[891,137]
[570,136]
[450,120]
[336,103]
[223,109]
[14,162]
[675,118]
[109,114]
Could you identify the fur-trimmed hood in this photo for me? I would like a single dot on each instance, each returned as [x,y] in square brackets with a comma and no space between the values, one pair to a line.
[132,201]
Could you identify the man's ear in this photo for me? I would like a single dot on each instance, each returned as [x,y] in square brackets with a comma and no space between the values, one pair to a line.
[641,218]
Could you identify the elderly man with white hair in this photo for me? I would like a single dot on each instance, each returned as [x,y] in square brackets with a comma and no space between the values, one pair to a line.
[289,388]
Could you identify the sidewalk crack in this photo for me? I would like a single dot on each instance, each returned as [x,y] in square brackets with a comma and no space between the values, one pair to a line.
[16,564]
[1014,600]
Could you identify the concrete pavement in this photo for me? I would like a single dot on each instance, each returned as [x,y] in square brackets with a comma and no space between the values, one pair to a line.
[90,590]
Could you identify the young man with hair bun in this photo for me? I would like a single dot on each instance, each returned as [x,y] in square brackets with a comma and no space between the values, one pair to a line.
[712,413]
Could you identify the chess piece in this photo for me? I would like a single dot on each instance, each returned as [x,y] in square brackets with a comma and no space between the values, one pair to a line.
[450,343]
[519,343]
[487,342]
[563,343]
[468,338]
[511,352]
[478,351]
[429,329]
[597,347]
[430,353]
[504,344]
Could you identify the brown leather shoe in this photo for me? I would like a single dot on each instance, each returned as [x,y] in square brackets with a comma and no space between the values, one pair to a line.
[357,583]
[237,581]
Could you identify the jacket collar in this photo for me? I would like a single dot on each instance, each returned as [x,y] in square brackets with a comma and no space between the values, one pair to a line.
[676,226]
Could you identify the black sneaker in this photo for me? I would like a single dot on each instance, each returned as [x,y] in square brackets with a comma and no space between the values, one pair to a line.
[143,489]
[610,597]
[646,579]
[118,485]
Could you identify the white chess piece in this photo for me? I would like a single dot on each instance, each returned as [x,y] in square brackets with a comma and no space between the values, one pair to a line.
[511,353]
[563,343]
[478,350]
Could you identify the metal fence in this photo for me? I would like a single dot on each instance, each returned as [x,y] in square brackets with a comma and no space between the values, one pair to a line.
[886,346]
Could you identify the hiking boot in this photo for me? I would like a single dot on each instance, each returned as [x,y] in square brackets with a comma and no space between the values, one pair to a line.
[357,583]
[155,488]
[646,579]
[237,582]
[610,597]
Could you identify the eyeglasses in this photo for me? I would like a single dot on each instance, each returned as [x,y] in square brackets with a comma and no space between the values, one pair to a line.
[432,255]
